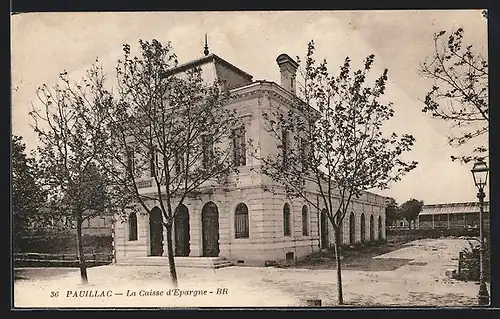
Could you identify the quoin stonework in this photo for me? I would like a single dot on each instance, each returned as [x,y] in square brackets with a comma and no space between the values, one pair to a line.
[245,224]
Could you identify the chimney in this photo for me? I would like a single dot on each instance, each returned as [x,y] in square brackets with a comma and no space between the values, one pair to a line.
[288,69]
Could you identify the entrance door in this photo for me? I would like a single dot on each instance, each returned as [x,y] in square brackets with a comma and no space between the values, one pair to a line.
[181,231]
[156,232]
[210,230]
[324,229]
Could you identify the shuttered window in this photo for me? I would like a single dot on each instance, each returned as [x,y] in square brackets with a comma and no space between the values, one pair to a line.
[208,150]
[132,227]
[241,221]
[305,221]
[286,220]
[239,147]
[284,147]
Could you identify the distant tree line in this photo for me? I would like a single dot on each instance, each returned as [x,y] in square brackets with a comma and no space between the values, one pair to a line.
[409,210]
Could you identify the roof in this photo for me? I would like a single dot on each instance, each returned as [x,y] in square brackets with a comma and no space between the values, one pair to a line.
[453,208]
[206,59]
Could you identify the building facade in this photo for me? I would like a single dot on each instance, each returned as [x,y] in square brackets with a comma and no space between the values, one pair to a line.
[246,223]
[453,215]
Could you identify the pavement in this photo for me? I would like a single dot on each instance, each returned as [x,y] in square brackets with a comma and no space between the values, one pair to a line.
[419,281]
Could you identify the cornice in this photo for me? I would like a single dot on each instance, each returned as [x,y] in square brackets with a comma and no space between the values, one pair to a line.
[260,88]
[242,96]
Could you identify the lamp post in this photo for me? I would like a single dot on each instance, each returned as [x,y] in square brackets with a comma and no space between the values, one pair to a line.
[480,175]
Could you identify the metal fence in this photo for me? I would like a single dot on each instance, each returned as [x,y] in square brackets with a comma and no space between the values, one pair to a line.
[60,260]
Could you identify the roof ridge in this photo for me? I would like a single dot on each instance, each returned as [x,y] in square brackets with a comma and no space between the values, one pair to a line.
[201,60]
[457,203]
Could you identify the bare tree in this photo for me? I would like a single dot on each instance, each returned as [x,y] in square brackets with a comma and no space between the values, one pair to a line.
[459,94]
[169,132]
[70,143]
[332,144]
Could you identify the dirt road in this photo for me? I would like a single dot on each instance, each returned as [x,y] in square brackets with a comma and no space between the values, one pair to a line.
[418,280]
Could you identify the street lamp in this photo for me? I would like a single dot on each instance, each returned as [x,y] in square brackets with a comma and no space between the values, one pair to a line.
[480,175]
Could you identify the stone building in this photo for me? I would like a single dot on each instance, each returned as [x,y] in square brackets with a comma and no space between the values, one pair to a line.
[246,224]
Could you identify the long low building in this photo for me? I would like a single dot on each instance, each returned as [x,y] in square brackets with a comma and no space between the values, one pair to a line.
[453,215]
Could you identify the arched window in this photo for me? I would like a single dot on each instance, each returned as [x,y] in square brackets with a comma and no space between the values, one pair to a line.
[286,220]
[153,160]
[380,229]
[363,229]
[305,221]
[372,228]
[324,229]
[208,150]
[352,229]
[132,227]
[241,221]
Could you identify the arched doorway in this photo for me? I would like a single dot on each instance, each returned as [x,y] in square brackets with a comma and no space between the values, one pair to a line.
[181,231]
[352,229]
[156,232]
[324,229]
[363,228]
[210,230]
[380,229]
[372,228]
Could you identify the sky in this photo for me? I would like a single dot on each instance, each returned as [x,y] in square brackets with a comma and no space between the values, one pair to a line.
[45,44]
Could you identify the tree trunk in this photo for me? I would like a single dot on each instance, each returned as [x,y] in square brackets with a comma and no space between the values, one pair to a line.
[339,270]
[170,250]
[81,255]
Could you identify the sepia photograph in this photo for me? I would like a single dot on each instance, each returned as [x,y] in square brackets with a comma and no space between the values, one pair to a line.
[262,159]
